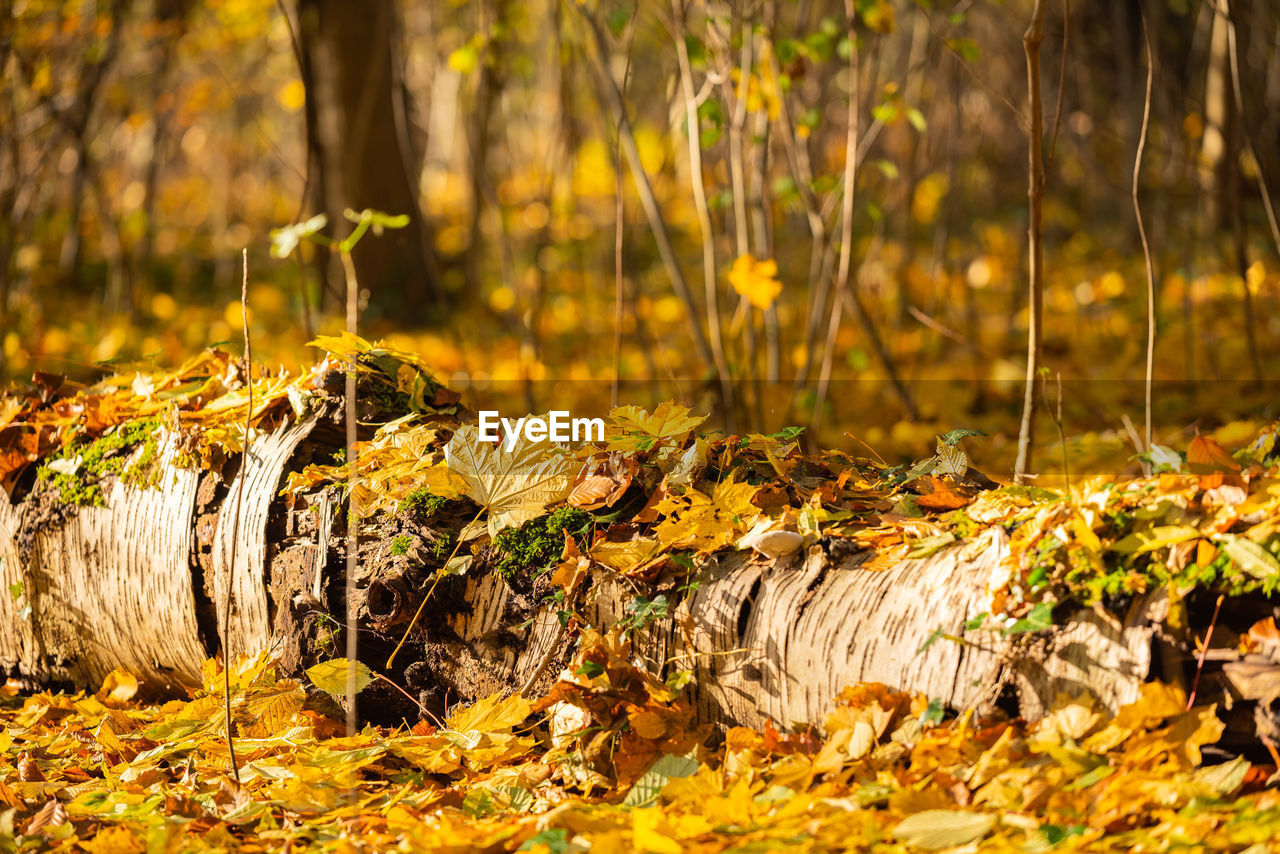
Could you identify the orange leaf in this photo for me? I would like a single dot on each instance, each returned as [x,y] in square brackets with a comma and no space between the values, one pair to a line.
[942,498]
[1204,451]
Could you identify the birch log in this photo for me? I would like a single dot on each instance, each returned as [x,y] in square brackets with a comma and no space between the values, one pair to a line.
[765,640]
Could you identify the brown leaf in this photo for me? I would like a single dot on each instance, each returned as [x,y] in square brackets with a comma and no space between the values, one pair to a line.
[1206,452]
[52,814]
[589,493]
[28,770]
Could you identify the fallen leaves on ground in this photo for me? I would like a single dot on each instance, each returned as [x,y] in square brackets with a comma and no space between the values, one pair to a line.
[609,761]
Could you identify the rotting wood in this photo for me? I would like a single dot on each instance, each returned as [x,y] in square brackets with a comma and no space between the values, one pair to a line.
[766,640]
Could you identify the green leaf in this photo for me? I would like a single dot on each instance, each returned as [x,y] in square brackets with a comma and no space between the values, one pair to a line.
[951,437]
[590,670]
[974,623]
[1164,459]
[1156,538]
[618,20]
[934,636]
[920,469]
[885,113]
[285,240]
[930,545]
[1090,777]
[1250,557]
[933,712]
[966,48]
[1037,619]
[887,167]
[556,840]
[646,789]
[331,676]
[935,829]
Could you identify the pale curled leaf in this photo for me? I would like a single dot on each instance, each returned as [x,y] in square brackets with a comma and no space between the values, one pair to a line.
[935,829]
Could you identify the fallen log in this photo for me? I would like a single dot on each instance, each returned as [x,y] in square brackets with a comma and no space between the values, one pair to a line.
[140,583]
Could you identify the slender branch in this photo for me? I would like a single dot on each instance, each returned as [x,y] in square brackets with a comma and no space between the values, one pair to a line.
[1204,651]
[704,213]
[235,532]
[612,99]
[353,514]
[1142,234]
[1062,86]
[1248,141]
[439,574]
[846,293]
[619,221]
[1031,41]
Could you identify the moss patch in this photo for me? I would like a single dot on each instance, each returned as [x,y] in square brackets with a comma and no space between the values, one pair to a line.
[535,545]
[400,545]
[102,458]
[421,504]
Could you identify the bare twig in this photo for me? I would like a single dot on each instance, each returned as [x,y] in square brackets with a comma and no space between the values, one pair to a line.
[421,708]
[846,293]
[1031,41]
[353,510]
[1204,651]
[439,574]
[1248,141]
[553,650]
[711,292]
[1062,86]
[235,532]
[619,221]
[1146,246]
[611,98]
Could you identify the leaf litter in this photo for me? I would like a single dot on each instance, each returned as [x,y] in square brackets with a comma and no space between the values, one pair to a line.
[611,759]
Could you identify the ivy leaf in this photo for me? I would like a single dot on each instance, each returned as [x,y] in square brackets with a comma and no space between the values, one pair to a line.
[1037,619]
[951,437]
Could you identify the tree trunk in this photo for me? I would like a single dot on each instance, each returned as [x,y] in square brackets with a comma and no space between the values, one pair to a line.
[362,141]
[140,583]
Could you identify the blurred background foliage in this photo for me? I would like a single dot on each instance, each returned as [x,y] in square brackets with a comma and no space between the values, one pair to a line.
[145,142]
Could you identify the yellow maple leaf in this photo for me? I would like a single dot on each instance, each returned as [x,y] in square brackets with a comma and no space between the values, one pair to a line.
[669,422]
[756,280]
[624,556]
[705,522]
[494,713]
[515,485]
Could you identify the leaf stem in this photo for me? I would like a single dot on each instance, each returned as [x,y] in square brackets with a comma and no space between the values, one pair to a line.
[439,574]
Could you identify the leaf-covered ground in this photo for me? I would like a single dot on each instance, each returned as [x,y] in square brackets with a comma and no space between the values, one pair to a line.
[611,760]
[883,772]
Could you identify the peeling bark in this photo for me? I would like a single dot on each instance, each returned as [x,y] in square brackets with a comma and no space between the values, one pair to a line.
[136,584]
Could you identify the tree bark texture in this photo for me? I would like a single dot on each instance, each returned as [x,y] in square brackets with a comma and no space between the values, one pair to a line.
[362,140]
[140,583]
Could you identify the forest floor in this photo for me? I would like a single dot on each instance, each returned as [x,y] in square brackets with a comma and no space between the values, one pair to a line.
[612,758]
